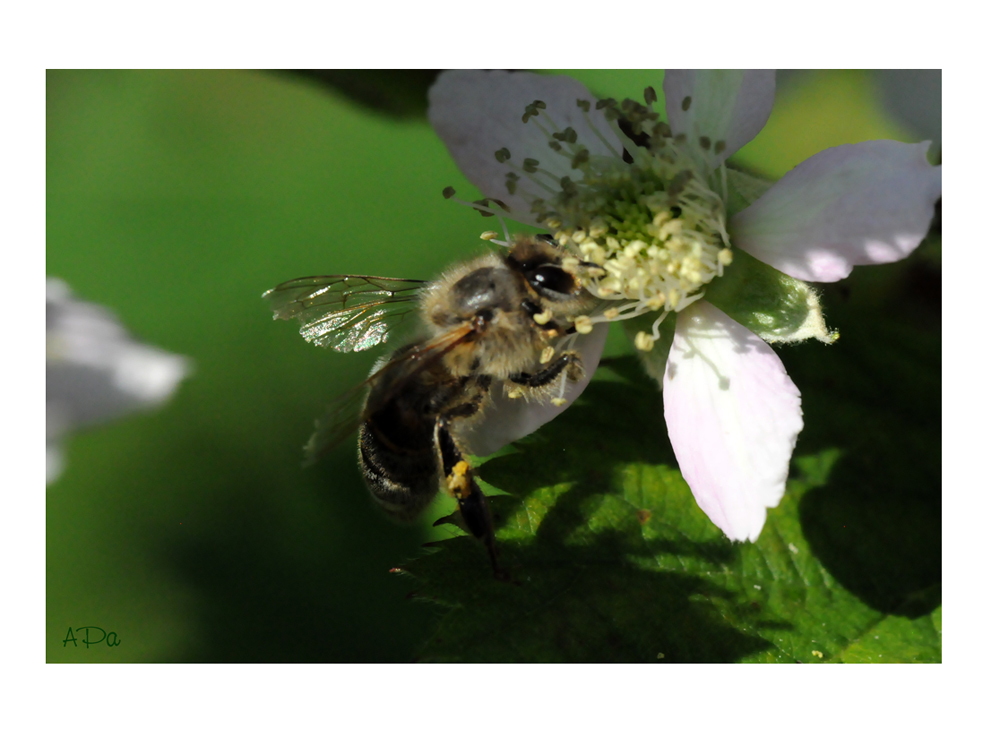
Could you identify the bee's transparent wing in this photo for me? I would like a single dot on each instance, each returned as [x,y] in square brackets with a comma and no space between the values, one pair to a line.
[339,422]
[345,313]
[349,410]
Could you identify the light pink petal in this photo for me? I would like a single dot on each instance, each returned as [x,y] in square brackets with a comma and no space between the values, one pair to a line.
[733,416]
[506,420]
[727,105]
[853,205]
[477,113]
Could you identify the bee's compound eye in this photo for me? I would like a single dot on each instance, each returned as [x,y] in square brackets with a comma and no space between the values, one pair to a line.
[551,279]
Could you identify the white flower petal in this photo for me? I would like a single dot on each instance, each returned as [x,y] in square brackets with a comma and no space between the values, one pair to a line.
[54,461]
[726,105]
[733,416]
[95,371]
[506,420]
[857,204]
[477,113]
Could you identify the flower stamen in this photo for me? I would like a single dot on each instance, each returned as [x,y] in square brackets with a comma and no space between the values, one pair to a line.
[645,226]
[651,222]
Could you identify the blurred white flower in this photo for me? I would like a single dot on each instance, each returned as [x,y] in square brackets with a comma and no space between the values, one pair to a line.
[95,371]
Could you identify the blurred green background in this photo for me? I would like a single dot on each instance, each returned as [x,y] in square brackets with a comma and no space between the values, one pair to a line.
[176,199]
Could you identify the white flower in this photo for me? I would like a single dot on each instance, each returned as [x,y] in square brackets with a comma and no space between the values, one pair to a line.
[95,371]
[618,187]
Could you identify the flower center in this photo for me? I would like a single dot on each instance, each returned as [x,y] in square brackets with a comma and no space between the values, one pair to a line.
[646,217]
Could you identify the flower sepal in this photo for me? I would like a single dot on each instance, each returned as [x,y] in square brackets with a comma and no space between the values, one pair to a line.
[774,306]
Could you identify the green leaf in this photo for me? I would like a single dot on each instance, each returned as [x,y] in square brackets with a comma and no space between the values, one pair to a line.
[612,560]
[894,639]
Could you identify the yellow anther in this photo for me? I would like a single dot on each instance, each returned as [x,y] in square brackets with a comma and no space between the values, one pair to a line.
[667,231]
[598,227]
[610,314]
[616,266]
[725,256]
[547,354]
[644,342]
[489,235]
[634,248]
[559,401]
[584,325]
[544,318]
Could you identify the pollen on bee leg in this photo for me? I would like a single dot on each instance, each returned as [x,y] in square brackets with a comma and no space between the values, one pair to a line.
[515,392]
[459,480]
[558,401]
[547,354]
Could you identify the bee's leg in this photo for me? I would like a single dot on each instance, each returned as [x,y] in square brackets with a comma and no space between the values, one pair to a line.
[569,361]
[460,484]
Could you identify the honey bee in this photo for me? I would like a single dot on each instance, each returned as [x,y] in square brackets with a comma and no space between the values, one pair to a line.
[497,326]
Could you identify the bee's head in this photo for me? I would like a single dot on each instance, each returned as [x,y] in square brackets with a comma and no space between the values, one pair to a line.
[548,271]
